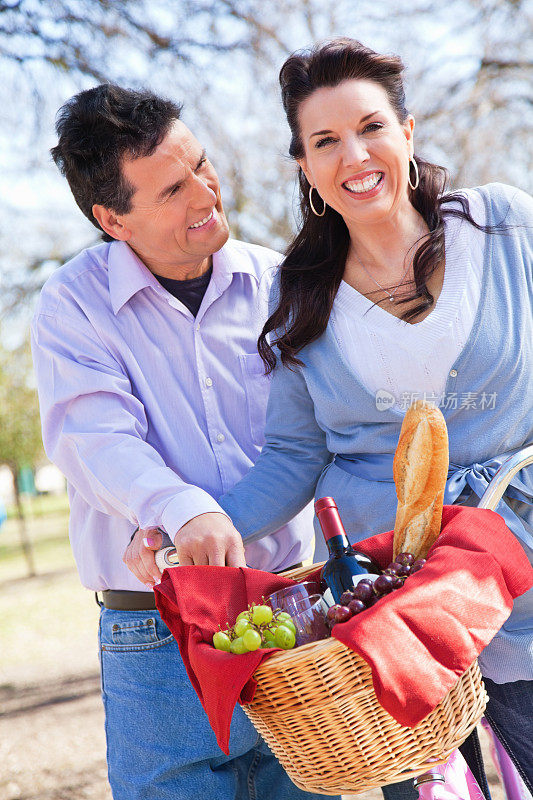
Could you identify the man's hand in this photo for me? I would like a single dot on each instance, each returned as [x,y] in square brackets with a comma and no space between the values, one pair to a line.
[210,539]
[139,556]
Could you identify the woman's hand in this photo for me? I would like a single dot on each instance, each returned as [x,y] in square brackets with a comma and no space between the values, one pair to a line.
[208,539]
[139,556]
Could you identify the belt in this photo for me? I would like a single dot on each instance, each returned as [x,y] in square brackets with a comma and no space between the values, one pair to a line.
[128,601]
[118,600]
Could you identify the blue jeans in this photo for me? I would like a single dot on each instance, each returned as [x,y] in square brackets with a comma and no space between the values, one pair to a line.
[510,715]
[160,745]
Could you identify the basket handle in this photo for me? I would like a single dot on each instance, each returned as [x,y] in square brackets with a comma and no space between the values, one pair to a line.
[166,557]
[501,480]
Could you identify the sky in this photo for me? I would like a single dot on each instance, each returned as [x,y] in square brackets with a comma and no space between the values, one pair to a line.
[242,124]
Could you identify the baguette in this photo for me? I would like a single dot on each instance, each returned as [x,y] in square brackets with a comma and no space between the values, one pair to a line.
[420,471]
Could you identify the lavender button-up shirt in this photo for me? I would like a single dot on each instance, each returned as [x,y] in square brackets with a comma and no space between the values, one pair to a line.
[151,413]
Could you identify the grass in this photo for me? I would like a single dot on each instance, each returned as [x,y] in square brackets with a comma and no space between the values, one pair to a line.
[41,506]
[52,738]
[48,533]
[48,625]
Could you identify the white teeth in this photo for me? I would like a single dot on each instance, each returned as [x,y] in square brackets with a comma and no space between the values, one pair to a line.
[202,221]
[368,183]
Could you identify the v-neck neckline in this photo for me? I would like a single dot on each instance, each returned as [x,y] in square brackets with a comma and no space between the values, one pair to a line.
[469,344]
[441,316]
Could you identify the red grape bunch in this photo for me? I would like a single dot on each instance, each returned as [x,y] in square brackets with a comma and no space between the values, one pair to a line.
[367,592]
[258,626]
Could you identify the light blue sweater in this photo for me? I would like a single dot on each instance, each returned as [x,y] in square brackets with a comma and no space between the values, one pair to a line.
[322,409]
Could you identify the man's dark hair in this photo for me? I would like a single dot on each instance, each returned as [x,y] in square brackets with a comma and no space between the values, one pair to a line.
[96,129]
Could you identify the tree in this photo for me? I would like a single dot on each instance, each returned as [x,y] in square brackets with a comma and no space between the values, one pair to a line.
[20,431]
[468,78]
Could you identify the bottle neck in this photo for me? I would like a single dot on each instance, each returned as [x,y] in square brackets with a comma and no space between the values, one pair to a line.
[337,544]
[331,524]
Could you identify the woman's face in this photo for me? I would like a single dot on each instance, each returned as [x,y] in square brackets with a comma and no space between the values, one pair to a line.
[356,151]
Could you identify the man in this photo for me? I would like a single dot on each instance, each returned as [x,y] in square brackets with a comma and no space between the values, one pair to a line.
[153,401]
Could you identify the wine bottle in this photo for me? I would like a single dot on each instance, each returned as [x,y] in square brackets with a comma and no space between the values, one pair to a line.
[365,561]
[345,566]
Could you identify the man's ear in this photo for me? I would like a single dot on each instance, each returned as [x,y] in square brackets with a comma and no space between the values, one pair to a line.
[110,223]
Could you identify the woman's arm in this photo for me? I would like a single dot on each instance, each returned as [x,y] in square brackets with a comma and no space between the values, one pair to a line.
[284,477]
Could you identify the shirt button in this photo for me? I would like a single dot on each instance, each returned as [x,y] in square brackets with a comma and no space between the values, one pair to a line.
[453,373]
[208,382]
[220,437]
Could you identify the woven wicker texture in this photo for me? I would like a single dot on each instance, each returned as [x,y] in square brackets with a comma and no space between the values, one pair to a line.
[316,709]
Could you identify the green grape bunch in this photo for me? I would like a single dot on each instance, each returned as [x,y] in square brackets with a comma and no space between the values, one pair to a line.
[257,627]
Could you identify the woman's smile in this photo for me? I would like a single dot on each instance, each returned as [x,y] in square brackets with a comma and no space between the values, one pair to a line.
[366,185]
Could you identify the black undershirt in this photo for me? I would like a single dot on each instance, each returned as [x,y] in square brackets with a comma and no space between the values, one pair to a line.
[190,292]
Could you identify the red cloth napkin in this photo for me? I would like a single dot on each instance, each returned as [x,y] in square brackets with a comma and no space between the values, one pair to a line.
[417,640]
[425,635]
[194,602]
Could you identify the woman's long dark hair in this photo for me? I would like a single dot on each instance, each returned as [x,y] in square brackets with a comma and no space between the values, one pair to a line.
[314,265]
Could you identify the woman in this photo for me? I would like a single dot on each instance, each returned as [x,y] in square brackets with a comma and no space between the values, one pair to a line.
[390,291]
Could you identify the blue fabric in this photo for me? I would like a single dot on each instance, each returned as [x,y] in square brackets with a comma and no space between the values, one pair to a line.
[372,467]
[159,742]
[478,477]
[322,409]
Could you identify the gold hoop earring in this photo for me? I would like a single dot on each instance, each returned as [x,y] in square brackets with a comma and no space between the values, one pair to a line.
[311,203]
[417,179]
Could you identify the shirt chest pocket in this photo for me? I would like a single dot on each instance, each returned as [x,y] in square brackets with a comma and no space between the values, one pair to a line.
[256,386]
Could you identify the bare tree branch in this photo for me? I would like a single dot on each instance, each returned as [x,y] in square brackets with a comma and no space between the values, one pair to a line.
[469,69]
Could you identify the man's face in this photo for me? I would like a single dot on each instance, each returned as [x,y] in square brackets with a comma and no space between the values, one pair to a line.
[176,221]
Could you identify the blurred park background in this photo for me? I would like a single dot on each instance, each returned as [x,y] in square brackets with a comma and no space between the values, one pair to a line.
[469,78]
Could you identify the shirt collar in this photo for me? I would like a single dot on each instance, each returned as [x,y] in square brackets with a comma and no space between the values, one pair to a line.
[128,274]
[228,261]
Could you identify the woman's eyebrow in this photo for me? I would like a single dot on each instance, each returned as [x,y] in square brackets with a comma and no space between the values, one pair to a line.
[363,119]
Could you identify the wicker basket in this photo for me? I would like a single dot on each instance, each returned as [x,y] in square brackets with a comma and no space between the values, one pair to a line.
[316,709]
